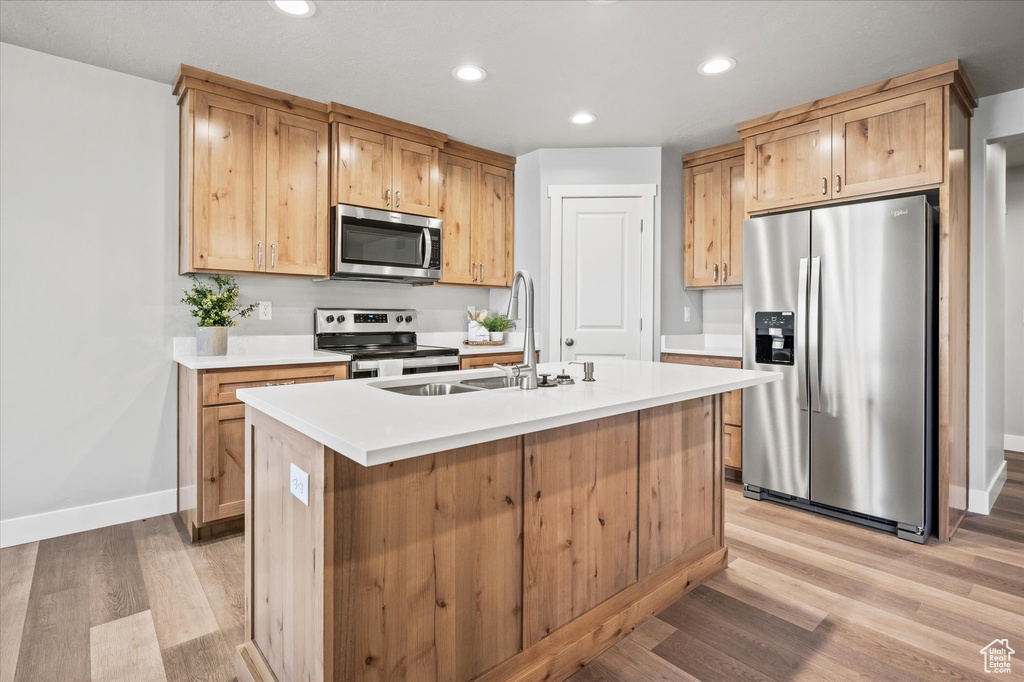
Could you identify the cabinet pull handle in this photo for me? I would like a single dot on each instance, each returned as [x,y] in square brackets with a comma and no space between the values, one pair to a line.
[387,197]
[481,272]
[273,255]
[282,383]
[725,271]
[824,186]
[716,272]
[838,180]
[474,271]
[398,198]
[259,254]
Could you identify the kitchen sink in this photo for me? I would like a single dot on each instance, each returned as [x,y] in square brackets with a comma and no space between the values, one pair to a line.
[430,389]
[490,383]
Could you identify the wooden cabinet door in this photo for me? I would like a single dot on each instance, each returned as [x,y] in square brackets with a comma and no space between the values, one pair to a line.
[414,177]
[733,213]
[732,446]
[732,407]
[892,145]
[297,210]
[363,167]
[677,482]
[702,208]
[456,208]
[789,166]
[493,231]
[580,520]
[476,361]
[223,462]
[229,185]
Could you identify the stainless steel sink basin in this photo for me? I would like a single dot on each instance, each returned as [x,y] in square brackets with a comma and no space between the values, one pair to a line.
[430,389]
[490,383]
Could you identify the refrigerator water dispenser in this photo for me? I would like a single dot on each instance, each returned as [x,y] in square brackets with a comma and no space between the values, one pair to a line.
[774,338]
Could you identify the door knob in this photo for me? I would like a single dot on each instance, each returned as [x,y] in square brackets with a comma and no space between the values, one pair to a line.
[569,342]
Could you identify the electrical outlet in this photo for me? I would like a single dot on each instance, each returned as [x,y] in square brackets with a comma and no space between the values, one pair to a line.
[266,310]
[686,313]
[300,485]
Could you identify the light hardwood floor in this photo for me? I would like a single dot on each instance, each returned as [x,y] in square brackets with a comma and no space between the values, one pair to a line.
[804,598]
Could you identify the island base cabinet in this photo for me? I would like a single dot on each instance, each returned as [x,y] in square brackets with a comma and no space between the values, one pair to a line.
[516,559]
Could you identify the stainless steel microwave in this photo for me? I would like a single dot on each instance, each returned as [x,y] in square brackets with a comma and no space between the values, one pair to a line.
[385,245]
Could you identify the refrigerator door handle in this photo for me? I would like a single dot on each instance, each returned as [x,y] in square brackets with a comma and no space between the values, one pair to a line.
[801,337]
[814,335]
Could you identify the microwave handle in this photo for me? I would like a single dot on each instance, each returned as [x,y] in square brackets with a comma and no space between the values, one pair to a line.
[428,246]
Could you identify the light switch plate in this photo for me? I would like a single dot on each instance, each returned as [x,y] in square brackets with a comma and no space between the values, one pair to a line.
[300,485]
[266,310]
[686,313]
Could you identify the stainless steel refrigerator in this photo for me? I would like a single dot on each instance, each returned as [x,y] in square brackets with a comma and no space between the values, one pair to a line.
[840,300]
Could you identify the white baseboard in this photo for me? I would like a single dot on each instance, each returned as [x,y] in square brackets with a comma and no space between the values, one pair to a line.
[1013,443]
[981,501]
[87,517]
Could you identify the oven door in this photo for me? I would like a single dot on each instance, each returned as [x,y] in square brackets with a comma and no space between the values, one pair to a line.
[371,244]
[366,369]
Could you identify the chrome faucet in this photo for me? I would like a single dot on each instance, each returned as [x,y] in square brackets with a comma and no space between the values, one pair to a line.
[527,371]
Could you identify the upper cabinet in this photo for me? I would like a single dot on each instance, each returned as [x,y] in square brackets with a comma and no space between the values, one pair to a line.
[888,146]
[253,184]
[476,207]
[261,169]
[385,172]
[871,142]
[713,213]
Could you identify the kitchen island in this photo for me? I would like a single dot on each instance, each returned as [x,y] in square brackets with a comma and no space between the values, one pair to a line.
[482,534]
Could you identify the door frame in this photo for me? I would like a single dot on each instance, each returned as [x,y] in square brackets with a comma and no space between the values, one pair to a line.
[644,192]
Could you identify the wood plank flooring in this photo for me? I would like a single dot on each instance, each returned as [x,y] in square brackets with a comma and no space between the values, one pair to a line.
[804,598]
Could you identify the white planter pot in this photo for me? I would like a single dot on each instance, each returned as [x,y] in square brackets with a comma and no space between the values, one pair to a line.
[211,340]
[498,336]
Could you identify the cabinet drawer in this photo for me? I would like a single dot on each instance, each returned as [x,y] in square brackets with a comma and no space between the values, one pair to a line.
[732,407]
[703,360]
[219,387]
[477,361]
[732,446]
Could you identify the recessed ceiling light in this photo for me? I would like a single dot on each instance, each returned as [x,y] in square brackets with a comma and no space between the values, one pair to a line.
[582,118]
[468,72]
[716,66]
[294,8]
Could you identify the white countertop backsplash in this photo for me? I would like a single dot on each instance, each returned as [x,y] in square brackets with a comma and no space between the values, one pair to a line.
[721,345]
[372,426]
[297,349]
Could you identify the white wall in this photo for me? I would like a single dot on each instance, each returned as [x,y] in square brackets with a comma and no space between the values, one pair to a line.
[723,311]
[997,117]
[89,291]
[1013,389]
[540,169]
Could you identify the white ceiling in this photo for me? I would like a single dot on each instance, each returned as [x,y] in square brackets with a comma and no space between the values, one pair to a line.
[633,64]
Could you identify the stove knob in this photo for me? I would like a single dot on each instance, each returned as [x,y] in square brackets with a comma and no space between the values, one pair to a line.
[408,318]
[330,318]
[341,318]
[400,318]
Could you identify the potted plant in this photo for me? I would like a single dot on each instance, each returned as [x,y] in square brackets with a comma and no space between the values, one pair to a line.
[215,309]
[498,327]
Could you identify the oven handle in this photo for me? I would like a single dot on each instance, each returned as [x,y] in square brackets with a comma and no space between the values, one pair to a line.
[431,361]
[427,247]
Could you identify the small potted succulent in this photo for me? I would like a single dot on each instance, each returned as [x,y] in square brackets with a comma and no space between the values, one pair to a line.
[215,309]
[498,327]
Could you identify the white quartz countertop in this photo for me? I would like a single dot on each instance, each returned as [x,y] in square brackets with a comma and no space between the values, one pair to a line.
[255,351]
[297,349]
[373,426]
[720,345]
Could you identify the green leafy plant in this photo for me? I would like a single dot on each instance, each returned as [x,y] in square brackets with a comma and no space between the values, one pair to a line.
[216,306]
[497,324]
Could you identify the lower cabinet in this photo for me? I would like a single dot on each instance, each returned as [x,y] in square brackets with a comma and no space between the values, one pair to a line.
[732,410]
[211,438]
[489,359]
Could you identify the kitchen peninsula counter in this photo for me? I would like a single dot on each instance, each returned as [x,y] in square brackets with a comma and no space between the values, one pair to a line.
[488,535]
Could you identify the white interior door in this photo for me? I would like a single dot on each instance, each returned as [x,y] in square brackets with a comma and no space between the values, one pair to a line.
[601,278]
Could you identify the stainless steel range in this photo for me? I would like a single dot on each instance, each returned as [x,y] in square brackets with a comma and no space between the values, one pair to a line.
[370,336]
